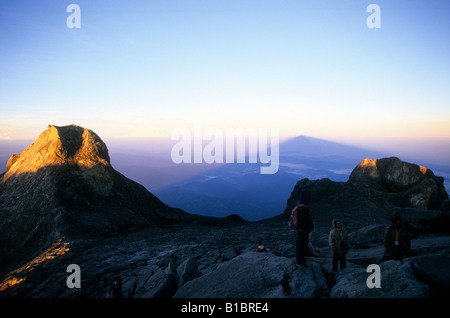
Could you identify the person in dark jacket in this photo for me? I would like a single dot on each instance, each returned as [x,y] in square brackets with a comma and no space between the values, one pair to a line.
[397,243]
[305,227]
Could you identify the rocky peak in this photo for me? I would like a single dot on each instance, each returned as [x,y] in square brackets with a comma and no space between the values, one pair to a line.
[409,185]
[391,172]
[63,185]
[376,190]
[56,146]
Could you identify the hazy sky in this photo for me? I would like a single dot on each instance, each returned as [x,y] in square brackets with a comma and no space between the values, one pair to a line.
[144,68]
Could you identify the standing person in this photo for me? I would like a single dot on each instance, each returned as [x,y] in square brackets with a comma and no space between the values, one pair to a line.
[338,240]
[305,227]
[396,240]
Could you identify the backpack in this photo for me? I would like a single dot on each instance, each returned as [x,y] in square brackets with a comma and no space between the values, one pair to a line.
[293,220]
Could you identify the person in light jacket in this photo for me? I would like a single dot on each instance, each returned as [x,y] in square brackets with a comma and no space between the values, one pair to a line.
[338,240]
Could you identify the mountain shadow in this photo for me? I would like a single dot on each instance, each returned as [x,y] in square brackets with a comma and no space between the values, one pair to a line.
[240,188]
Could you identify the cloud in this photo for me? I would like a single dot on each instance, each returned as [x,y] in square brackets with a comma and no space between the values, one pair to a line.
[6,135]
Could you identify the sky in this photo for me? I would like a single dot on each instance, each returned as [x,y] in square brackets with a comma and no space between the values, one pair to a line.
[144,68]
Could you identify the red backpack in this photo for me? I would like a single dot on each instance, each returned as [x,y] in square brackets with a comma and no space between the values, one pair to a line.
[293,221]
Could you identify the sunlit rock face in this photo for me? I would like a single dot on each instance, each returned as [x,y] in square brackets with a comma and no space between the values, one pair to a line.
[60,145]
[391,172]
[66,146]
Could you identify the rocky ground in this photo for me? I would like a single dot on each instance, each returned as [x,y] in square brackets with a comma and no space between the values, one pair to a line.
[221,261]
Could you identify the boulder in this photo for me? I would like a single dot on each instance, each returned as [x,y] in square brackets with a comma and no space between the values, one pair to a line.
[188,270]
[286,250]
[366,256]
[390,173]
[367,236]
[159,284]
[255,275]
[322,285]
[433,270]
[420,246]
[397,281]
[129,285]
[419,219]
[408,185]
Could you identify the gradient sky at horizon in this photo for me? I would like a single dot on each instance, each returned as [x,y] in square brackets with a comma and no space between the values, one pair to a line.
[144,68]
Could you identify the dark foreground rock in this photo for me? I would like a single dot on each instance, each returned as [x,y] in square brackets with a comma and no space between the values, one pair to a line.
[255,275]
[221,261]
[405,278]
[397,280]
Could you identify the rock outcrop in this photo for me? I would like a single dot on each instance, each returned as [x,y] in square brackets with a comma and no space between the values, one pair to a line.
[404,184]
[56,146]
[375,191]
